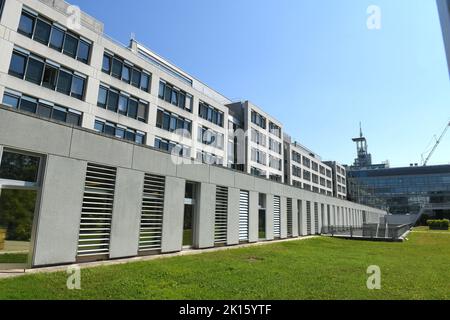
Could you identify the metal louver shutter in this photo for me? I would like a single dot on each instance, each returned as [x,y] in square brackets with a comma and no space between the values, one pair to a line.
[276,217]
[308,217]
[316,218]
[96,213]
[152,213]
[289,217]
[243,216]
[221,217]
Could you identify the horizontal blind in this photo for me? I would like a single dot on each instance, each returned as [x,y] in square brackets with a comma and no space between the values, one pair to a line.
[308,217]
[152,213]
[289,217]
[276,217]
[97,208]
[243,216]
[221,217]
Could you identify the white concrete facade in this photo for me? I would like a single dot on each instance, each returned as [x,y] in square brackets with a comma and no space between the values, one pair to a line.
[339,179]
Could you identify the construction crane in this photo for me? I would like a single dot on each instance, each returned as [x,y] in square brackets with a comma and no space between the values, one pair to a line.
[438,141]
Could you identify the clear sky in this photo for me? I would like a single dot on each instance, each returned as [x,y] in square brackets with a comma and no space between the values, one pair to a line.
[313,65]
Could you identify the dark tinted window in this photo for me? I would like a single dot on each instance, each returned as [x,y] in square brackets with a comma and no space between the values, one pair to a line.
[132,108]
[110,129]
[126,73]
[123,105]
[44,110]
[162,87]
[57,39]
[50,76]
[26,24]
[28,105]
[73,118]
[35,70]
[17,66]
[99,126]
[113,99]
[64,82]
[42,31]
[136,78]
[117,68]
[19,167]
[70,45]
[83,51]
[142,112]
[59,114]
[78,87]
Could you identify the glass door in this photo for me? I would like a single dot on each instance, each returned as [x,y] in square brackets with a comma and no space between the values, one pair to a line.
[189,215]
[20,174]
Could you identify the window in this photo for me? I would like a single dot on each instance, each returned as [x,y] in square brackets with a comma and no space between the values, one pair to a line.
[132,108]
[121,132]
[211,114]
[70,45]
[113,100]
[258,119]
[210,137]
[26,24]
[175,96]
[145,81]
[64,82]
[57,39]
[77,87]
[126,71]
[274,129]
[170,146]
[11,100]
[35,70]
[50,76]
[83,51]
[123,104]
[171,122]
[142,111]
[102,97]
[18,64]
[47,74]
[2,3]
[42,108]
[42,31]
[106,66]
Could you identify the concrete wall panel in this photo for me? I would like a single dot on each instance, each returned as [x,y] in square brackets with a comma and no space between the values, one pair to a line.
[172,235]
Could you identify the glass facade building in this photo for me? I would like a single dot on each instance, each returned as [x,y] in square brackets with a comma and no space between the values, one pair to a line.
[401,190]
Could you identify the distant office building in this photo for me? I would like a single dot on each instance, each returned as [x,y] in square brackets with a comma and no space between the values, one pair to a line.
[263,153]
[305,169]
[339,179]
[401,190]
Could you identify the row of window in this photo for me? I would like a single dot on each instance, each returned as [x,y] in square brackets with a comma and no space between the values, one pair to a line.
[175,96]
[55,36]
[118,131]
[341,180]
[208,158]
[121,102]
[275,163]
[42,108]
[46,73]
[274,129]
[170,146]
[275,146]
[211,114]
[210,137]
[258,119]
[258,172]
[258,137]
[258,156]
[173,123]
[126,71]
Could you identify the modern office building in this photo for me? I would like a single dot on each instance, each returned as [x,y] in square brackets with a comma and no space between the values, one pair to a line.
[305,169]
[264,141]
[86,126]
[402,190]
[339,179]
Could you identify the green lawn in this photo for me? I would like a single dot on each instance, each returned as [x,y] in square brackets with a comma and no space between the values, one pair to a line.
[321,268]
[13,258]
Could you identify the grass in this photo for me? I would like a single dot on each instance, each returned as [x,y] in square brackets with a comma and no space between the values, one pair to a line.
[422,229]
[13,258]
[321,268]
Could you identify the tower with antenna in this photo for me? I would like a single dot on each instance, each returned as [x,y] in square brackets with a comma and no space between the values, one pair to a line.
[364,158]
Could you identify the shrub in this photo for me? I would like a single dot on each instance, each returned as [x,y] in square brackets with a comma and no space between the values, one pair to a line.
[438,224]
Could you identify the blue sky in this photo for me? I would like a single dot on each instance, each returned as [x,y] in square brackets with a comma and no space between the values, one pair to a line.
[312,64]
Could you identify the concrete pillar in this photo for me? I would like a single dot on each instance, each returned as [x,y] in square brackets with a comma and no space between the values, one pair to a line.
[204,222]
[295,218]
[172,235]
[283,217]
[60,211]
[126,213]
[254,217]
[233,217]
[269,217]
[303,220]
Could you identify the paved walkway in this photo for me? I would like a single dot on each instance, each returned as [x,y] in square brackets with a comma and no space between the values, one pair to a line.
[190,252]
